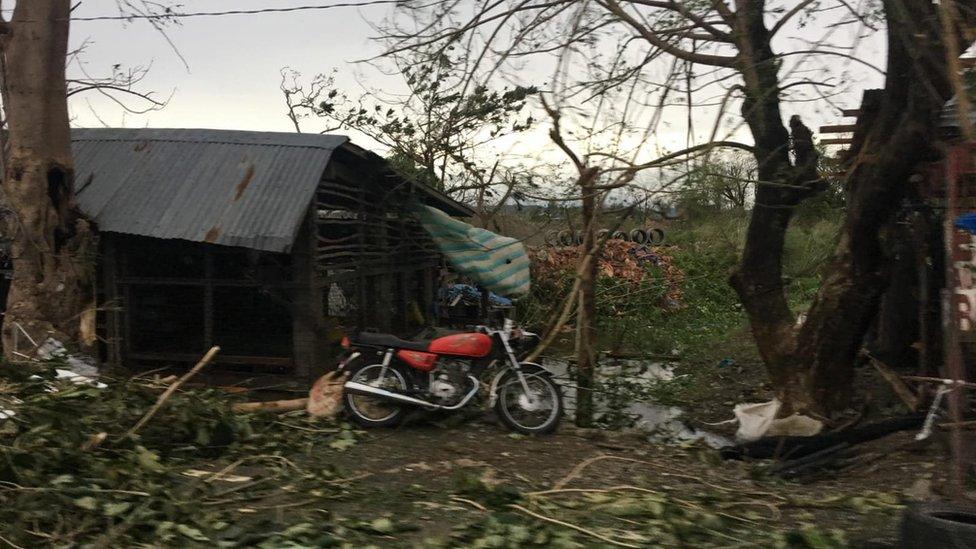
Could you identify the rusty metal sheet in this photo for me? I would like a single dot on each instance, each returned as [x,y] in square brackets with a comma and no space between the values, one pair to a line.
[236,188]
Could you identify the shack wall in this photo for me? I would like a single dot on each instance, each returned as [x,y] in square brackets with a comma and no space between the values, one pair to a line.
[168,301]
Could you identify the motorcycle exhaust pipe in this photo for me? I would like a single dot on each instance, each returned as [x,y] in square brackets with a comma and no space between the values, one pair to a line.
[368,390]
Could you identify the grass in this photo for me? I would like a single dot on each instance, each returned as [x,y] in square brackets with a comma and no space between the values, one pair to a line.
[710,328]
[707,250]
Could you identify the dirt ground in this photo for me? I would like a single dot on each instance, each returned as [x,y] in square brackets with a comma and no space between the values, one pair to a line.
[413,474]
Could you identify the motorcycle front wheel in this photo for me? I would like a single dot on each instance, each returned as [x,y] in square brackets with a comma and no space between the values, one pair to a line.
[534,413]
[370,411]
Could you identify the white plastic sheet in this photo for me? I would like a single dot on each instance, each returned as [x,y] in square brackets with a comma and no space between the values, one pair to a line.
[758,420]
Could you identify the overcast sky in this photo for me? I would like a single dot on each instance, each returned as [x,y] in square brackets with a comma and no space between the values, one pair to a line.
[234,65]
[234,61]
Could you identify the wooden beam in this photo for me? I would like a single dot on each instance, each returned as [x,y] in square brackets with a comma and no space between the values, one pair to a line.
[113,313]
[837,128]
[837,141]
[850,112]
[167,281]
[273,361]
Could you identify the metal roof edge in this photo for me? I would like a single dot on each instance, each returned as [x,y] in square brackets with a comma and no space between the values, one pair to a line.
[211,136]
[458,209]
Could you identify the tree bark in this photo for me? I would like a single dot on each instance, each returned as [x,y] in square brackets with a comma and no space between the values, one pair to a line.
[812,367]
[758,279]
[917,86]
[586,329]
[51,294]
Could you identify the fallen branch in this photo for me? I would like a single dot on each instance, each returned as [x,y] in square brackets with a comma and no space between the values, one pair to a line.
[348,479]
[589,491]
[669,472]
[94,441]
[962,424]
[170,390]
[579,529]
[897,385]
[271,406]
[816,460]
[325,396]
[796,447]
[575,471]
[942,381]
[474,504]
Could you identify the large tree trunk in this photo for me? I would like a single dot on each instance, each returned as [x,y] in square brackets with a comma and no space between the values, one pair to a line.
[812,368]
[916,88]
[51,294]
[758,279]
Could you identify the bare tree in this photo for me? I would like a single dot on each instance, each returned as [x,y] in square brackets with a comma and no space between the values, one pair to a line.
[732,47]
[432,132]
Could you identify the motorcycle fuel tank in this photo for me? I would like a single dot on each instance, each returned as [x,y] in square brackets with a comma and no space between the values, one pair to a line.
[473,345]
[418,359]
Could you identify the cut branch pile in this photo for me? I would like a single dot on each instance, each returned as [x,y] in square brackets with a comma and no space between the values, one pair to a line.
[689,510]
[626,262]
[189,468]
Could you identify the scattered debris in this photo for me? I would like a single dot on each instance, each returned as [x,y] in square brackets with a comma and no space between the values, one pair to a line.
[325,397]
[198,473]
[172,389]
[759,420]
[80,365]
[175,481]
[897,385]
[289,405]
[792,447]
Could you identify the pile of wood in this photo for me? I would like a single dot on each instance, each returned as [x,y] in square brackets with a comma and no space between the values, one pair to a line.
[324,399]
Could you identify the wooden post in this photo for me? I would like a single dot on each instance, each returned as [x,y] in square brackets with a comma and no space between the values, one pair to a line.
[208,297]
[427,299]
[952,351]
[113,301]
[308,318]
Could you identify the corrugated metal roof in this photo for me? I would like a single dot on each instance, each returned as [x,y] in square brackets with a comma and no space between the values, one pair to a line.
[237,188]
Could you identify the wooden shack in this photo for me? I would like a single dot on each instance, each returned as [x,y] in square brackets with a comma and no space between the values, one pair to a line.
[266,244]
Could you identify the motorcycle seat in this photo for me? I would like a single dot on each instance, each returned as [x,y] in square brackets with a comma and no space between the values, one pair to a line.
[388,341]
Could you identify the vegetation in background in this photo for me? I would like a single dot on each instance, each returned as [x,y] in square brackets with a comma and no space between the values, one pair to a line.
[705,248]
[705,327]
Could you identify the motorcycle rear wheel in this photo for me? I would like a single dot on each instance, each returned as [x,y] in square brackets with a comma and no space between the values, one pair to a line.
[368,411]
[530,416]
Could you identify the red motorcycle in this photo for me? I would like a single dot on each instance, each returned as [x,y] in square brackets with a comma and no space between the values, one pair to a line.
[388,375]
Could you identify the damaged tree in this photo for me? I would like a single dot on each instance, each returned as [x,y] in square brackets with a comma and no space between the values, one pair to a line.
[812,365]
[51,294]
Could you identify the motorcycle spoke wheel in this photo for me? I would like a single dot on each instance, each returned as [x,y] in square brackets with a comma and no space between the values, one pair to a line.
[535,412]
[374,411]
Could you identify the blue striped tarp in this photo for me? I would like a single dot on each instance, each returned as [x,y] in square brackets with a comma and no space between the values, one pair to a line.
[496,262]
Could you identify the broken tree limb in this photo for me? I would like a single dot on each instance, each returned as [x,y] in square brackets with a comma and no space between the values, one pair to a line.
[271,406]
[897,385]
[796,447]
[961,424]
[942,381]
[816,460]
[580,529]
[325,397]
[170,390]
